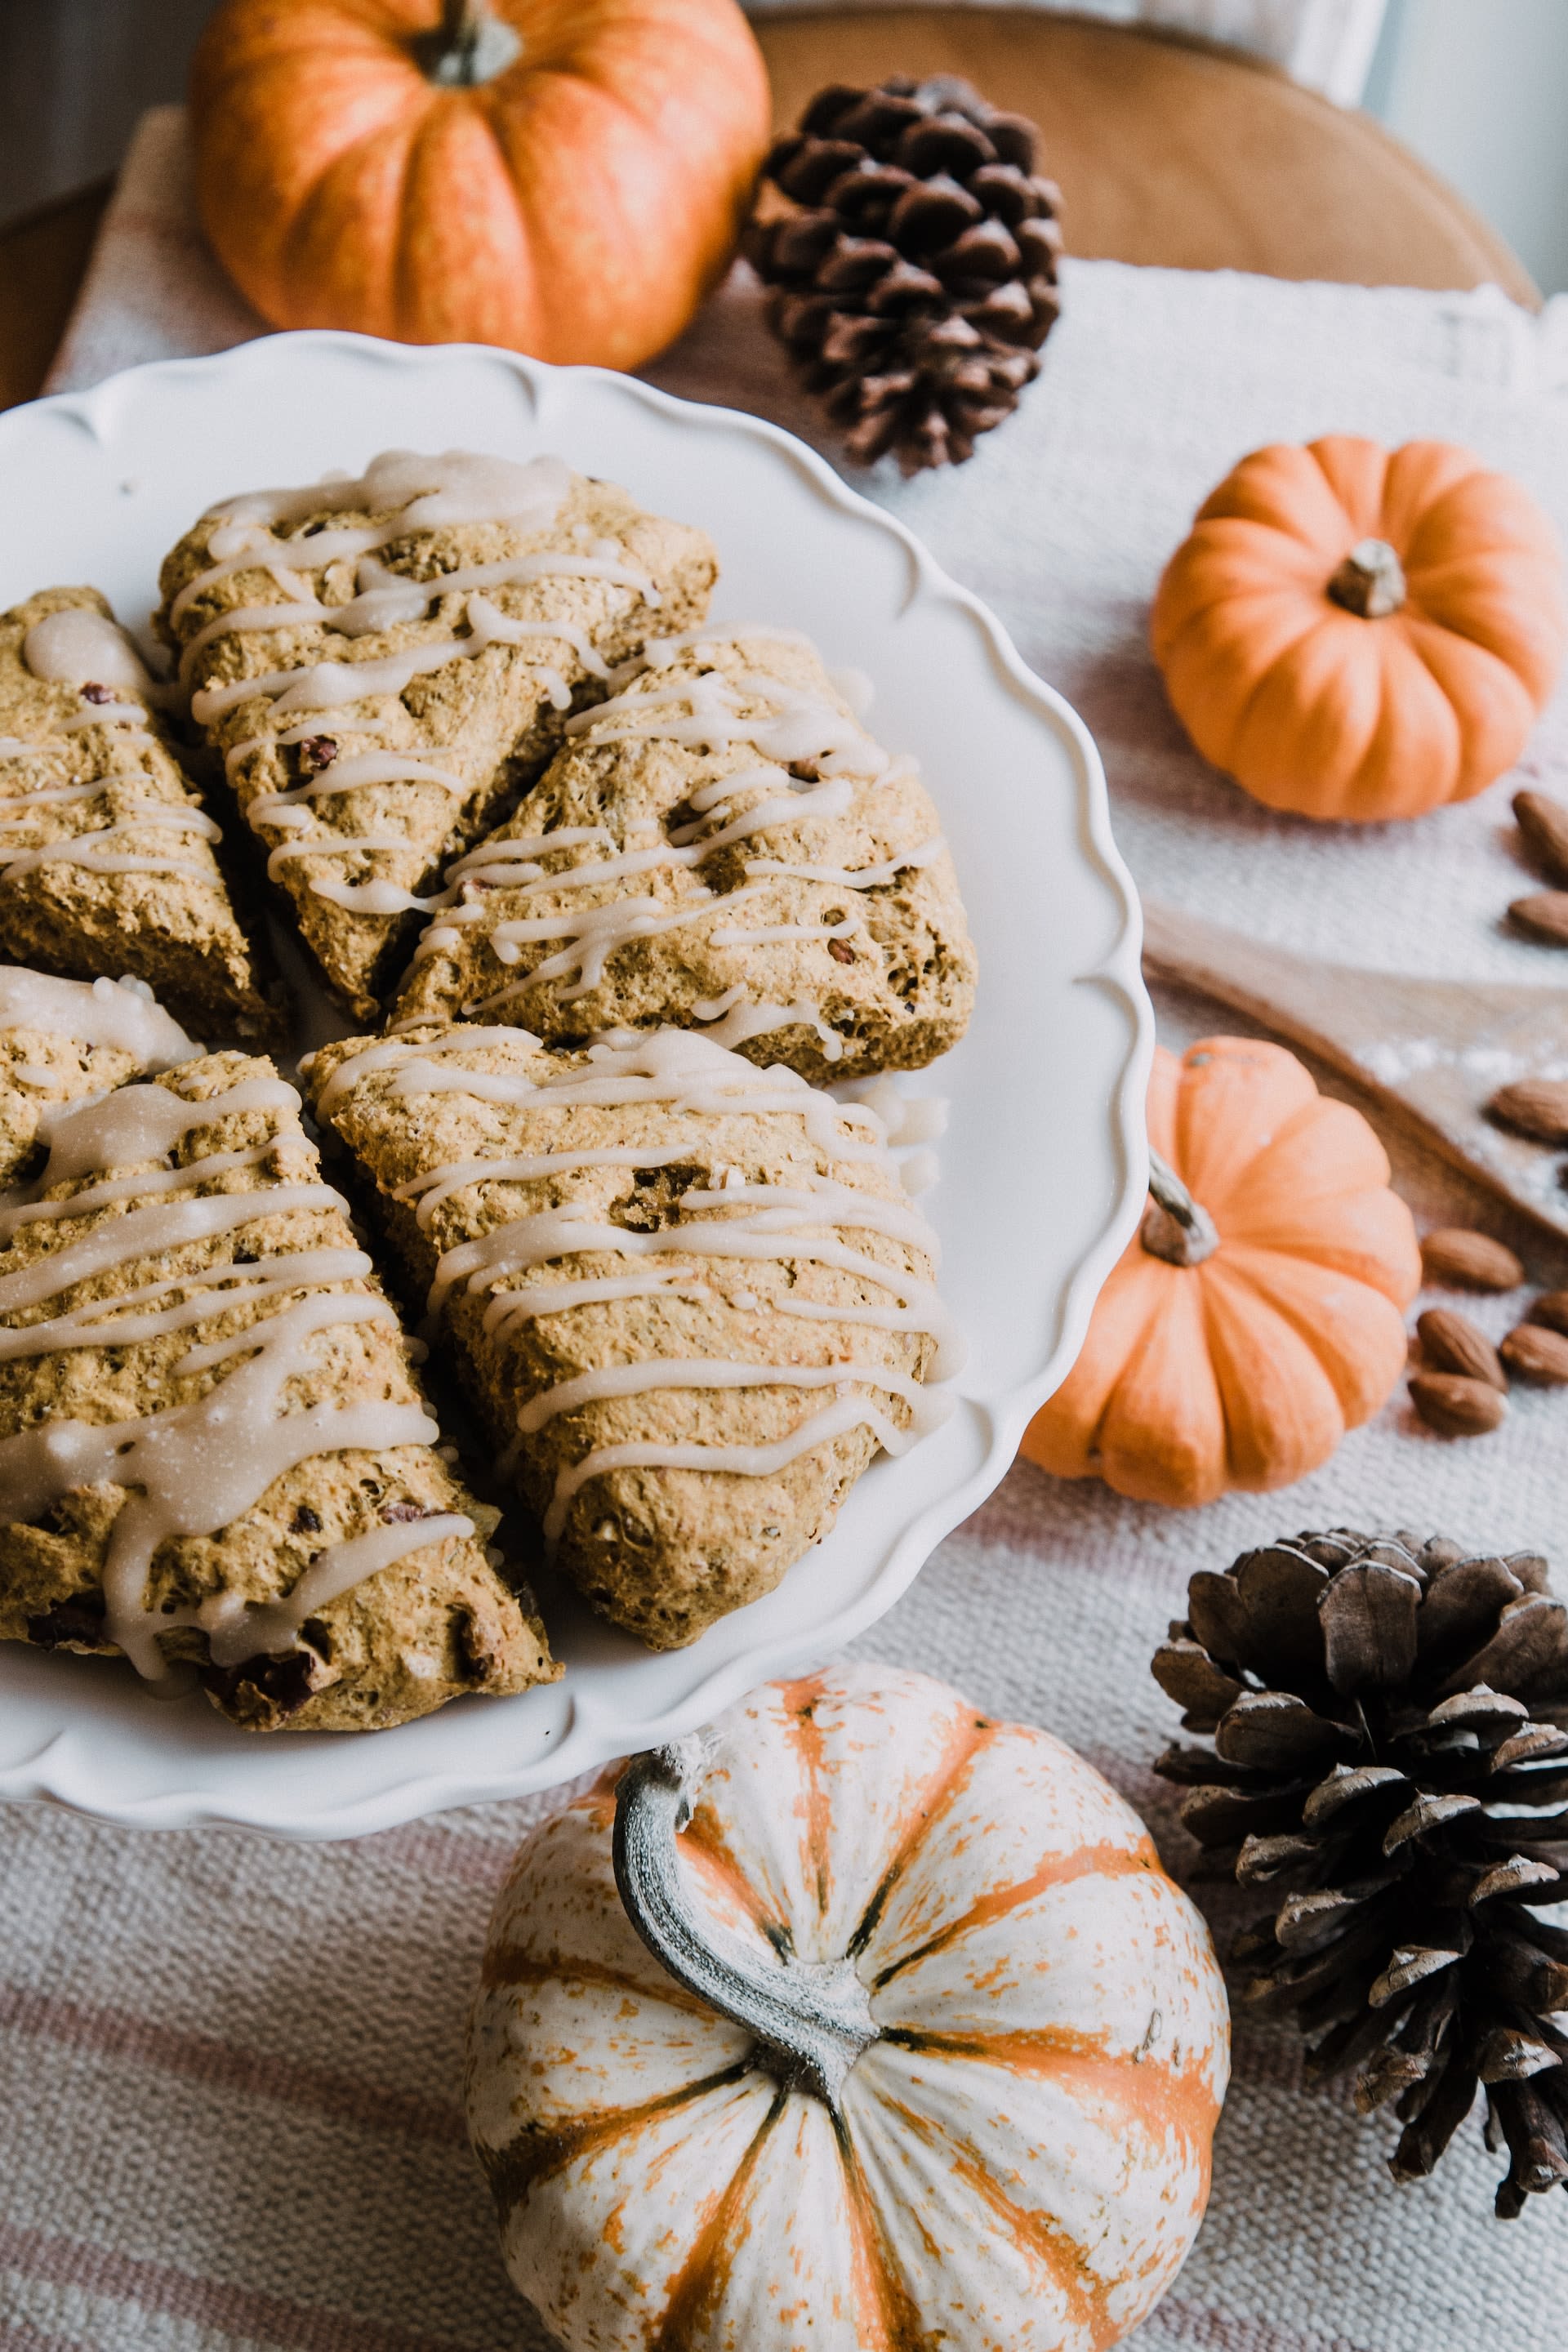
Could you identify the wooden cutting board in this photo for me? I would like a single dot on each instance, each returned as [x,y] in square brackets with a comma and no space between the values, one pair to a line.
[1432,1051]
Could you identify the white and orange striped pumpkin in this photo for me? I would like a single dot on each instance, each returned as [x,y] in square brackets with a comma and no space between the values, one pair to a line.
[932,2053]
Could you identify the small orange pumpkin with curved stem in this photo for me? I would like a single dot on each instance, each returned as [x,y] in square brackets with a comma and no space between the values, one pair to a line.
[1258,1314]
[1359,634]
[564,177]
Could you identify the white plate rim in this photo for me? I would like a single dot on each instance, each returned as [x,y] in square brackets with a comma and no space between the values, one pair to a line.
[587,1745]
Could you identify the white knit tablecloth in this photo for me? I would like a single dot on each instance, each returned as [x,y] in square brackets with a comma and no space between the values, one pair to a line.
[229,2069]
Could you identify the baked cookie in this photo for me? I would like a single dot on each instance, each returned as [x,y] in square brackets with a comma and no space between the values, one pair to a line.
[61,1039]
[721,844]
[384,664]
[105,852]
[214,1453]
[688,1297]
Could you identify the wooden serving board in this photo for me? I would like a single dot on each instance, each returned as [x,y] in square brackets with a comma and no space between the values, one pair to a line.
[1433,1051]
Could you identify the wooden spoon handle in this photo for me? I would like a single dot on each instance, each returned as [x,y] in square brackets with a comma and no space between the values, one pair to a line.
[1432,1051]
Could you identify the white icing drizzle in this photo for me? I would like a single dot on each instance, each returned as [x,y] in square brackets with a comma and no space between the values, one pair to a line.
[772,934]
[346,776]
[569,1231]
[701,1373]
[802,1221]
[427,494]
[373,898]
[236,1630]
[139,1123]
[855,878]
[50,796]
[105,1323]
[120,1014]
[505,861]
[659,652]
[741,1022]
[427,1193]
[191,1469]
[680,1068]
[794,725]
[108,714]
[750,1461]
[78,646]
[92,850]
[593,935]
[708,710]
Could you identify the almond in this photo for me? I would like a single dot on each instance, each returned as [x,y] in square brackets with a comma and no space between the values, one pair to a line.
[1551,1309]
[1537,1354]
[1462,1259]
[1452,1343]
[1543,917]
[1455,1406]
[1544,825]
[1534,1106]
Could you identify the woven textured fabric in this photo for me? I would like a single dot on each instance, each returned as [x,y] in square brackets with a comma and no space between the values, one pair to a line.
[229,2069]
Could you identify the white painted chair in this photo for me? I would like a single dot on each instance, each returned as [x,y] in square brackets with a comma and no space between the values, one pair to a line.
[1326,44]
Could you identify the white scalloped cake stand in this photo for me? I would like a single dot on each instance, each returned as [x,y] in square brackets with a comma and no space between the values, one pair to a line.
[1042,1168]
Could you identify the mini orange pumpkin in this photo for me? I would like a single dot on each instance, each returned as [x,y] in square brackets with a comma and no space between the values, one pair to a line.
[565,177]
[1235,1348]
[1358,633]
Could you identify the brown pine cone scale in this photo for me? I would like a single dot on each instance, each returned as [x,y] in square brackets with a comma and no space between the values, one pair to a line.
[912,252]
[1390,1724]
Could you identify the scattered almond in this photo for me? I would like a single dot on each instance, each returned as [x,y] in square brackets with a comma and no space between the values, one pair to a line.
[1537,1354]
[1543,917]
[1534,1106]
[1544,825]
[1452,1343]
[1462,1259]
[1455,1406]
[1551,1309]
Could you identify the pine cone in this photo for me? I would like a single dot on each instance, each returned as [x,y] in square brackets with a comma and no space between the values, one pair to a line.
[915,266]
[1373,1700]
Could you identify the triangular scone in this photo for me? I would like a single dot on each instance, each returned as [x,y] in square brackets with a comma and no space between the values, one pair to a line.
[688,1297]
[62,1039]
[212,1447]
[105,852]
[383,664]
[723,844]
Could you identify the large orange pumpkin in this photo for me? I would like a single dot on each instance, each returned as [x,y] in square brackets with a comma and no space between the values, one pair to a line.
[1362,635]
[565,177]
[1235,1351]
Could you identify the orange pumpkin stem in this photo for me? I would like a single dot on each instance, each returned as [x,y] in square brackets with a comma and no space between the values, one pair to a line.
[1175,1226]
[472,45]
[1370,582]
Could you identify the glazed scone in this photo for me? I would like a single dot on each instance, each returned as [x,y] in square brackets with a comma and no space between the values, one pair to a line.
[213,1450]
[384,664]
[105,852]
[720,844]
[61,1039]
[689,1298]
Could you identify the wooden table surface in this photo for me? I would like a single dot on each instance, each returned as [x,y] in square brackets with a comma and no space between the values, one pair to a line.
[1168,152]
